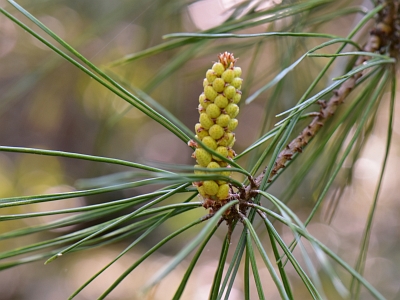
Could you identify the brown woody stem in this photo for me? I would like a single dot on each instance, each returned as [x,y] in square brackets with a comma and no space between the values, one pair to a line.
[385,34]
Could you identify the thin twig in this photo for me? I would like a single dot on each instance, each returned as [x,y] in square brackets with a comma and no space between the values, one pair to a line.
[380,37]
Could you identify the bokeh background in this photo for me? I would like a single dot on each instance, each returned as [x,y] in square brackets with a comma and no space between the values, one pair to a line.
[47,103]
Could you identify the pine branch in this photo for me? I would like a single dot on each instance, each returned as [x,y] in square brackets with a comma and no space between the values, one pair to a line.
[384,34]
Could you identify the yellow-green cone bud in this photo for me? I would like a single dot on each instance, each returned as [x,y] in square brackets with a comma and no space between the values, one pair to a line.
[200,131]
[232,143]
[201,191]
[213,165]
[218,68]
[222,151]
[210,75]
[213,111]
[219,85]
[238,71]
[223,191]
[205,121]
[237,97]
[237,82]
[226,139]
[203,100]
[228,75]
[216,132]
[223,120]
[221,101]
[210,142]
[210,187]
[203,157]
[218,109]
[223,164]
[232,110]
[233,123]
[210,93]
[229,91]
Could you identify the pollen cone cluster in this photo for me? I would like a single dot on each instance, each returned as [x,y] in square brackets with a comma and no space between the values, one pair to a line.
[218,110]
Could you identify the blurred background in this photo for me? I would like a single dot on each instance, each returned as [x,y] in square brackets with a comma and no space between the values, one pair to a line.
[47,103]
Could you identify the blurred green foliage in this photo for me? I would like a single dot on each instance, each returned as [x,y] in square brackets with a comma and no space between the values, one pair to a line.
[47,103]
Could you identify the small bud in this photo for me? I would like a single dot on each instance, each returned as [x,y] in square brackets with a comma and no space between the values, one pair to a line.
[237,71]
[205,121]
[210,142]
[229,92]
[237,97]
[210,75]
[223,164]
[201,191]
[233,123]
[228,75]
[218,68]
[210,93]
[203,157]
[210,187]
[203,100]
[213,165]
[232,110]
[222,151]
[232,143]
[200,131]
[223,191]
[218,85]
[231,153]
[223,120]
[221,101]
[237,82]
[224,141]
[213,111]
[216,132]
[231,139]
